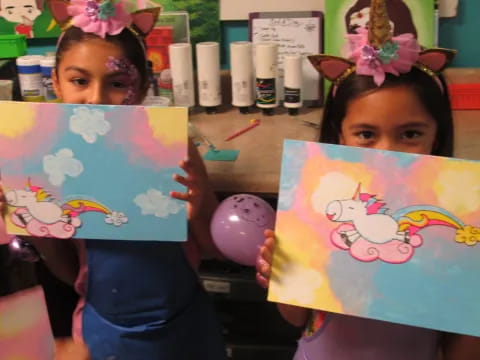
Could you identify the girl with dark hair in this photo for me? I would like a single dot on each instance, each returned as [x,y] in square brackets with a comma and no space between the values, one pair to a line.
[388,95]
[138,300]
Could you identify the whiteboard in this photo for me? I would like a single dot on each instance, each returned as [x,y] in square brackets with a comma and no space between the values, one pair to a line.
[294,35]
[239,9]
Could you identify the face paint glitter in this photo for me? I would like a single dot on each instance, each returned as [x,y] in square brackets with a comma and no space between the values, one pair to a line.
[125,66]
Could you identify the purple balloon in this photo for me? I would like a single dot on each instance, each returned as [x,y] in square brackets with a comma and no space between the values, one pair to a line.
[238,224]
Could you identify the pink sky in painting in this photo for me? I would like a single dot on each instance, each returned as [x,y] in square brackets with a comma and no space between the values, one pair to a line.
[137,140]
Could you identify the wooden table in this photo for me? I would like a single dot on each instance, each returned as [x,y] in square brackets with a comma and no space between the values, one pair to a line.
[257,168]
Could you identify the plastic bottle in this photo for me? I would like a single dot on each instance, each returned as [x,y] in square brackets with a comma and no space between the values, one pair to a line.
[266,76]
[293,74]
[241,65]
[208,72]
[47,64]
[30,77]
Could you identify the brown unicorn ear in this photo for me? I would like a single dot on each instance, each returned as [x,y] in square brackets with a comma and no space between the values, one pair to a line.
[58,9]
[332,67]
[436,59]
[144,20]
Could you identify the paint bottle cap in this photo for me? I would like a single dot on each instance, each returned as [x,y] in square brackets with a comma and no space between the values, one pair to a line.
[292,111]
[267,111]
[211,110]
[244,110]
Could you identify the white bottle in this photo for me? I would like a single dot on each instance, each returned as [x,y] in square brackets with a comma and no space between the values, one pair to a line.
[208,73]
[292,82]
[30,77]
[241,69]
[181,67]
[47,65]
[266,69]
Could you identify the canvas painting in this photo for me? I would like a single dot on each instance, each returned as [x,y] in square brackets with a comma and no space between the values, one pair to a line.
[406,16]
[343,17]
[93,172]
[203,15]
[25,332]
[378,234]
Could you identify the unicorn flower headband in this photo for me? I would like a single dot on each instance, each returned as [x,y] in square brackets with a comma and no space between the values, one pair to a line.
[102,17]
[375,52]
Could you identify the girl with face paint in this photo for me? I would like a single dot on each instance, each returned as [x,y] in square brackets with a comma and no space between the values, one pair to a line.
[138,300]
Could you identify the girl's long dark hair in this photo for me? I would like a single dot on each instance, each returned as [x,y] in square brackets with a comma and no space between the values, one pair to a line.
[434,99]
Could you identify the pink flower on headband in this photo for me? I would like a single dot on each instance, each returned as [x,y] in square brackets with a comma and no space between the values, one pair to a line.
[397,56]
[99,17]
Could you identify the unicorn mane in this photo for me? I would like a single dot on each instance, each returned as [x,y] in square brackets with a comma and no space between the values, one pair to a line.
[40,194]
[372,204]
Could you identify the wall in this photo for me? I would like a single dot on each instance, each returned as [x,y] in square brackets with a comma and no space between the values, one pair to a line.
[457,33]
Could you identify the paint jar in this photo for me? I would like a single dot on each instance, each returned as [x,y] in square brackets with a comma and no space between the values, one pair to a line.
[292,83]
[266,76]
[30,77]
[47,64]
[241,69]
[208,73]
[181,65]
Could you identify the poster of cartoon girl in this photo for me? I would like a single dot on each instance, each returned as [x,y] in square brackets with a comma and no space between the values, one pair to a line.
[21,12]
[27,17]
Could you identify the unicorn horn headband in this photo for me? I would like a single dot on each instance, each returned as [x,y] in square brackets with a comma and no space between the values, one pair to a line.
[102,17]
[375,52]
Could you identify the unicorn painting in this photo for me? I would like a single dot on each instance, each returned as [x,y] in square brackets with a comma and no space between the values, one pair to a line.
[38,213]
[369,232]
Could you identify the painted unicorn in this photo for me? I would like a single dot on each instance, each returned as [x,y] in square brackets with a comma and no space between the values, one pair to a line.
[369,232]
[39,215]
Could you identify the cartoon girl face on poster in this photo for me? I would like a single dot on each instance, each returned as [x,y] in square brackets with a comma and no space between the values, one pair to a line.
[21,12]
[400,17]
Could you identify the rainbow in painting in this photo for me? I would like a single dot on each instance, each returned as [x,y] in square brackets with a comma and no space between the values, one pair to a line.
[377,234]
[93,172]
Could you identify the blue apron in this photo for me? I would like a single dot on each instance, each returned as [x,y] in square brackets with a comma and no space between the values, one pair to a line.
[145,302]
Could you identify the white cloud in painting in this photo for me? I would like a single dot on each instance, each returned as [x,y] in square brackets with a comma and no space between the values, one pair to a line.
[116,218]
[154,202]
[89,123]
[58,166]
[302,284]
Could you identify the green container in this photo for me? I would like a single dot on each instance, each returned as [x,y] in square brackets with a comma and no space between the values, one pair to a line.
[12,46]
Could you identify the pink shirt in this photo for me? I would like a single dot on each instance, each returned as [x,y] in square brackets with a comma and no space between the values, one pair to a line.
[342,337]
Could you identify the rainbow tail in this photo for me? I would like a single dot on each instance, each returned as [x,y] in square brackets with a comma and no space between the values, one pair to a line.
[415,218]
[77,206]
